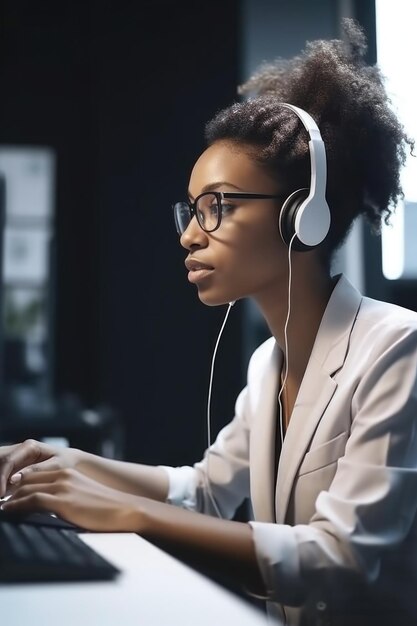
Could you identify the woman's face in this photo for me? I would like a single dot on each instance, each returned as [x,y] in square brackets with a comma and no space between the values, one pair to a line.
[245,257]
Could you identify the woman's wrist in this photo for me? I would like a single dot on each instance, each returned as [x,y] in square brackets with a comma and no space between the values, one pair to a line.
[134,515]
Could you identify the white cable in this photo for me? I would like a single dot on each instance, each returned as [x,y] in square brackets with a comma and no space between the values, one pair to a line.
[284,380]
[208,486]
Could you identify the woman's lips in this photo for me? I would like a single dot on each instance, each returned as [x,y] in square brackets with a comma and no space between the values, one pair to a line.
[197,271]
[197,275]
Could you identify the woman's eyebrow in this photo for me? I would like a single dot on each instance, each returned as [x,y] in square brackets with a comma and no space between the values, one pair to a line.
[214,186]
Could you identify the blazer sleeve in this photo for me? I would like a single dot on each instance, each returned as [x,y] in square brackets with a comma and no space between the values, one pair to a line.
[220,481]
[370,506]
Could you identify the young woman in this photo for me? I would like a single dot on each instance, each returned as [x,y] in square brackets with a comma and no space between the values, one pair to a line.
[324,437]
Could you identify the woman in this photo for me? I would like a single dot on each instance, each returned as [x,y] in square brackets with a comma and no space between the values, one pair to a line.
[323,440]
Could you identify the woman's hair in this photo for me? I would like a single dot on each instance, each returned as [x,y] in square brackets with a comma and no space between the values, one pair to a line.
[365,142]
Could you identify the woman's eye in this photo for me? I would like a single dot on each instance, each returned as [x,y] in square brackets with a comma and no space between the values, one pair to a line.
[227,208]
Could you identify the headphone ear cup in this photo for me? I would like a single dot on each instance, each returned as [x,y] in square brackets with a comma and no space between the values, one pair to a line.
[287,217]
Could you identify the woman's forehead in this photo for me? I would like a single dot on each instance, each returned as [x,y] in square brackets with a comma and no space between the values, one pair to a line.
[229,163]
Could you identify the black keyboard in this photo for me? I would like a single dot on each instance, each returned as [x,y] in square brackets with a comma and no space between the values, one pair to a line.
[41,548]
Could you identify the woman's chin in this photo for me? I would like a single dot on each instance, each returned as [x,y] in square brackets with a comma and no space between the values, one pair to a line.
[211,300]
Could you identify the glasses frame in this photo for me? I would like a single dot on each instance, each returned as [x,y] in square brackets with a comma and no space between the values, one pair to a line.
[220,195]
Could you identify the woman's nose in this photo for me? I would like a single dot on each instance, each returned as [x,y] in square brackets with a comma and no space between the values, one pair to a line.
[193,235]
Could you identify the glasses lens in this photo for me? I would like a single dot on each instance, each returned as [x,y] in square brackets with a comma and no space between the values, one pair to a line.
[182,216]
[207,211]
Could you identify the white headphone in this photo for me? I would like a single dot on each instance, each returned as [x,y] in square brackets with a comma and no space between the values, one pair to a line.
[305,213]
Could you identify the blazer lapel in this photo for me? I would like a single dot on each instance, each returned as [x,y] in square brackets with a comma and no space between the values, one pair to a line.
[317,387]
[262,446]
[312,400]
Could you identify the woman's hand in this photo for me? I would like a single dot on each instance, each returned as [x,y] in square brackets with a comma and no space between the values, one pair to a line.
[22,459]
[210,544]
[77,499]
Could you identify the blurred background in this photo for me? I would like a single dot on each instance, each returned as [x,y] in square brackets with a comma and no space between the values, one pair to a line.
[103,343]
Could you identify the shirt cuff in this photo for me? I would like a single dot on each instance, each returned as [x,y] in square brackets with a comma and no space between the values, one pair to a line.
[277,556]
[182,486]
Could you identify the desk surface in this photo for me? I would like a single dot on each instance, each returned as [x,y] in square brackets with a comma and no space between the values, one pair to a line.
[154,589]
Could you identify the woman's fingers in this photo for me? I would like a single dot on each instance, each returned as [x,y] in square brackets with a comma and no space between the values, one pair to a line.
[44,466]
[53,482]
[76,498]
[57,491]
[14,458]
[35,486]
[37,477]
[32,501]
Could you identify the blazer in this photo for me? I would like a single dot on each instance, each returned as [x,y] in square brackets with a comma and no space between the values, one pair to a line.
[336,536]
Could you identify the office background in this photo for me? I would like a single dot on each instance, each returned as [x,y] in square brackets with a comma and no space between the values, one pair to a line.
[118,93]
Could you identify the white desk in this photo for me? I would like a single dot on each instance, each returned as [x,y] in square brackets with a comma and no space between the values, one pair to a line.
[154,589]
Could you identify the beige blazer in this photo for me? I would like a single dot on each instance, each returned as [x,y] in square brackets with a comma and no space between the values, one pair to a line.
[336,537]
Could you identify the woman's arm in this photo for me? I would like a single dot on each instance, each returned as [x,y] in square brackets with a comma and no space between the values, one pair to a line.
[21,460]
[210,544]
[137,479]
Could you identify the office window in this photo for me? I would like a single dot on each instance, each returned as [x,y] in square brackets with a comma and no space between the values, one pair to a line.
[395,35]
[26,275]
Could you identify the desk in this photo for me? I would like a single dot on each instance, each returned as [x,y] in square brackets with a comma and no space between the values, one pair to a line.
[154,589]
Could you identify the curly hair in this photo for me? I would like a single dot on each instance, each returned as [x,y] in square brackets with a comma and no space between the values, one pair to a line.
[365,142]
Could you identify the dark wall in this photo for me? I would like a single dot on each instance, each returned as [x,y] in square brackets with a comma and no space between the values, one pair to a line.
[161,74]
[121,91]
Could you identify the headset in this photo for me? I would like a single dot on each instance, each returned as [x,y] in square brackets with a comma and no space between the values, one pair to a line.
[305,213]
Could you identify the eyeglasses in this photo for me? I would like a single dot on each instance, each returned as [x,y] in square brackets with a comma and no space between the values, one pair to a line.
[209,208]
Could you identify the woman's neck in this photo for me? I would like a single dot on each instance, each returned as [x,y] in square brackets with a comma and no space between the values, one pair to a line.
[309,296]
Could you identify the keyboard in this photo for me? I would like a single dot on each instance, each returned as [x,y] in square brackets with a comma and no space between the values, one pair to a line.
[42,548]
